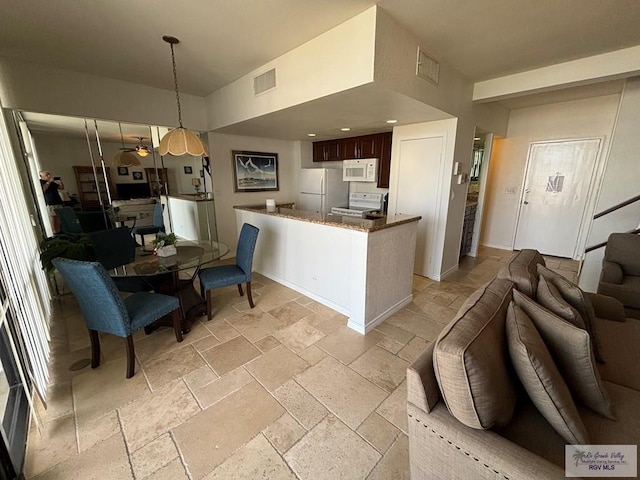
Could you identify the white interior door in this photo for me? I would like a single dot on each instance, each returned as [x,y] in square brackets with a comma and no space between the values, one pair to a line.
[419,193]
[555,194]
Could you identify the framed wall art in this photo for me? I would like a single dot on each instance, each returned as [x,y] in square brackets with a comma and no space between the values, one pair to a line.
[188,170]
[123,171]
[137,175]
[255,171]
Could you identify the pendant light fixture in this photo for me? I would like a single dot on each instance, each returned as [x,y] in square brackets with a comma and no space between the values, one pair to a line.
[180,141]
[123,158]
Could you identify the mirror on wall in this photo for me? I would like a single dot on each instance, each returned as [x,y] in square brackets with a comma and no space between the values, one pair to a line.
[112,171]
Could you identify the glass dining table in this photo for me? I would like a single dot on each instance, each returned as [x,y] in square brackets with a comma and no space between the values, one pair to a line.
[175,274]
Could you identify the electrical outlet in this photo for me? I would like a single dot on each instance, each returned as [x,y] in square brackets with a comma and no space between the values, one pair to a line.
[510,190]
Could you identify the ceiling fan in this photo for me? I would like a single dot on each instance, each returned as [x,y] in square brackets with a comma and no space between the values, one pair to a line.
[141,149]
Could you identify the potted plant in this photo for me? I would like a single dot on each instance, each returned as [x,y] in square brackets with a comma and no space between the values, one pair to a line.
[165,245]
[75,246]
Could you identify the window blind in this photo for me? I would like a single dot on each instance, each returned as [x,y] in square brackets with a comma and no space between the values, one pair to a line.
[26,297]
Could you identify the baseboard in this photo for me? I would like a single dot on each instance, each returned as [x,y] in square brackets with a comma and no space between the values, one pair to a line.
[364,329]
[327,303]
[453,269]
[499,247]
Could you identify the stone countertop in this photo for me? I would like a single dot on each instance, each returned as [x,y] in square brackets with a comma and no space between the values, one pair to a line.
[332,220]
[192,197]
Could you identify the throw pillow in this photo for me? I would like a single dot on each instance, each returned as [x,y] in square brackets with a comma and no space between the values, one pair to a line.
[471,361]
[578,300]
[572,352]
[549,297]
[541,378]
[521,269]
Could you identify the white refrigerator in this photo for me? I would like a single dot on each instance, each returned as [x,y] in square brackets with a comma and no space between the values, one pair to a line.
[320,189]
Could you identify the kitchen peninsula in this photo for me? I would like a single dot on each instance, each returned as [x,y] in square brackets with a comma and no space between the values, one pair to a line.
[361,268]
[192,216]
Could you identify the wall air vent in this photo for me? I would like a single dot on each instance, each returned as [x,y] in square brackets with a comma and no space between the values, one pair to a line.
[264,82]
[427,68]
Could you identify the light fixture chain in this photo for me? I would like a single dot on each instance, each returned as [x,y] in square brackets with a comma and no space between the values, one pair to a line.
[175,81]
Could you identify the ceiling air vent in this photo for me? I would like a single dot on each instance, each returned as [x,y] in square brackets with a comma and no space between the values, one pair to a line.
[427,68]
[264,82]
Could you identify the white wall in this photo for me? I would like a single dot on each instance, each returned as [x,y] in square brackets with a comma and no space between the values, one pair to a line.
[337,60]
[620,182]
[225,198]
[395,68]
[593,117]
[36,88]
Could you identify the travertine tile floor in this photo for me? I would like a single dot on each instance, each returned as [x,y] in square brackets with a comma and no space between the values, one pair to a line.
[283,391]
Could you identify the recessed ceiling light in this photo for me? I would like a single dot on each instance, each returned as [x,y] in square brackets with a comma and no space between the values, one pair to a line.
[345,129]
[311,134]
[476,138]
[392,121]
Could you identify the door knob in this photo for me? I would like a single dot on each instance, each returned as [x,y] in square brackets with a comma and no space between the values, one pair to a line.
[525,202]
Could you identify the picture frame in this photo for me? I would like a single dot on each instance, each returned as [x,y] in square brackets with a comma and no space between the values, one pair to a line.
[137,175]
[188,170]
[255,171]
[123,170]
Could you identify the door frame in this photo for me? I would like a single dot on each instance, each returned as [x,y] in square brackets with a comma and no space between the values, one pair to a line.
[483,180]
[594,182]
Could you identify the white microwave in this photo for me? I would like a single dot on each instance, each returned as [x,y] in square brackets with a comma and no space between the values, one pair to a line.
[360,170]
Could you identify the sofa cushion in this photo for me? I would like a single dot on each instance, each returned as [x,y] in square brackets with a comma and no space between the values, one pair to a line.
[471,360]
[549,297]
[540,377]
[571,349]
[579,300]
[603,431]
[620,344]
[521,269]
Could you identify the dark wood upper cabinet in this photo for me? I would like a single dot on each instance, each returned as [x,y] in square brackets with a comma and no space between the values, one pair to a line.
[366,146]
[350,148]
[370,146]
[327,151]
[384,167]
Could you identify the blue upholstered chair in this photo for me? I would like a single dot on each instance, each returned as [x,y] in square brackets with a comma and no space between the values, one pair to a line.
[105,311]
[68,220]
[114,248]
[157,227]
[225,275]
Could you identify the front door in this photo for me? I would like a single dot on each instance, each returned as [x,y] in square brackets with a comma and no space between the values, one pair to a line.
[554,199]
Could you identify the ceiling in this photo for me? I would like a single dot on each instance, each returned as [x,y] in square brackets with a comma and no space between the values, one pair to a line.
[222,40]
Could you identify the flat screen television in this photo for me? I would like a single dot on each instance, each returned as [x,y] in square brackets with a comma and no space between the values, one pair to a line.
[127,191]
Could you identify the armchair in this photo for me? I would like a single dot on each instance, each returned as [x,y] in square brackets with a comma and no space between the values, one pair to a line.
[105,311]
[620,276]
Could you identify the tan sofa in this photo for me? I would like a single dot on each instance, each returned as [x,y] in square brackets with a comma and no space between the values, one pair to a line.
[521,444]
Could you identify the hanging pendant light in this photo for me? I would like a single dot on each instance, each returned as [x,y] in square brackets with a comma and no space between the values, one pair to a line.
[124,158]
[180,141]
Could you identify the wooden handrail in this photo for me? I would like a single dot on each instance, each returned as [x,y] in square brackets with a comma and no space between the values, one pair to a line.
[600,245]
[617,207]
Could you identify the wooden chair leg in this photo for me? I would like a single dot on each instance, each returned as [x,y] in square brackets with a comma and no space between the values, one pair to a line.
[95,348]
[209,305]
[131,357]
[177,324]
[240,289]
[249,297]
